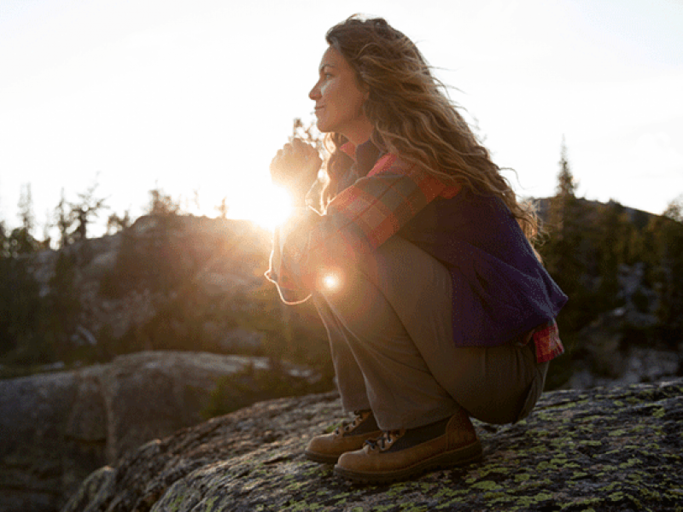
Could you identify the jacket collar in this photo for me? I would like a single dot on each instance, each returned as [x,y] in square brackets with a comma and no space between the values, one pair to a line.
[365,155]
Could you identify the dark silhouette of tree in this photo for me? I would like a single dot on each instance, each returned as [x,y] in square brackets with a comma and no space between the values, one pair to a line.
[64,306]
[674,209]
[3,241]
[47,226]
[665,237]
[83,212]
[612,250]
[162,204]
[21,240]
[26,208]
[223,209]
[116,223]
[566,251]
[563,224]
[63,221]
[566,184]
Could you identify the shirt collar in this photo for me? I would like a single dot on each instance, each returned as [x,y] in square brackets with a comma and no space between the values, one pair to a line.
[365,155]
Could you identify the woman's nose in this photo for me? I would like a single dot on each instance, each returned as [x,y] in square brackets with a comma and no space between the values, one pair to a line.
[314,94]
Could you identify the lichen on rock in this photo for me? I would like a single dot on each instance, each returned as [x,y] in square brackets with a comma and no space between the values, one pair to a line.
[603,449]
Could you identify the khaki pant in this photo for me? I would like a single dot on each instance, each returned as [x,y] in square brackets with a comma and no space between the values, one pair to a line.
[391,342]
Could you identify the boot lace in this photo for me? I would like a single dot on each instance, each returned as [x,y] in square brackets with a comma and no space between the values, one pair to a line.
[385,441]
[349,426]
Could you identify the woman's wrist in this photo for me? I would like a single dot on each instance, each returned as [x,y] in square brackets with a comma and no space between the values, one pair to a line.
[297,191]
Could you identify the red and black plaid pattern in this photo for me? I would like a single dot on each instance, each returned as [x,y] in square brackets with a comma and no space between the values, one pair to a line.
[547,341]
[358,220]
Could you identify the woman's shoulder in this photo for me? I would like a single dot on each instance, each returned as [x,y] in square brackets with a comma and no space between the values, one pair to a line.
[389,163]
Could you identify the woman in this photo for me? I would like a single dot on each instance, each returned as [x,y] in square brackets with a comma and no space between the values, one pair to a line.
[420,266]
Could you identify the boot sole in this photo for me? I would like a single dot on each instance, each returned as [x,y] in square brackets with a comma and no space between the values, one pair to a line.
[460,457]
[321,457]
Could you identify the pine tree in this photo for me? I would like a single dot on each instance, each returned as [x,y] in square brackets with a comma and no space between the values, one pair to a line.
[83,212]
[565,252]
[566,184]
[162,204]
[21,240]
[666,236]
[26,208]
[612,247]
[562,223]
[63,221]
[4,250]
[116,222]
[674,210]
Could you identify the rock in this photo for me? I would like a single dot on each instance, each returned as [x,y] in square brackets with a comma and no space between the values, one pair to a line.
[630,365]
[241,341]
[615,349]
[606,449]
[34,414]
[191,270]
[55,429]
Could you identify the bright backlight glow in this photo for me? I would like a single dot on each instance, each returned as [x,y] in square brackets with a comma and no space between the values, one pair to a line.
[268,207]
[331,281]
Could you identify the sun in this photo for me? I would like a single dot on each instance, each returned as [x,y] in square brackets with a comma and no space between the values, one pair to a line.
[269,208]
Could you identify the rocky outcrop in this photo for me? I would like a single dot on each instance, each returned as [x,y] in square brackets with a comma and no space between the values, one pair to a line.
[124,282]
[165,283]
[57,428]
[614,352]
[605,449]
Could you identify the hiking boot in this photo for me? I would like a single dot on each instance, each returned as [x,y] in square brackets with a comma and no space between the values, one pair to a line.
[402,454]
[348,437]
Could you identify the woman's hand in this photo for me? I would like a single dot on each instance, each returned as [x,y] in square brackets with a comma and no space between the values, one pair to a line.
[295,168]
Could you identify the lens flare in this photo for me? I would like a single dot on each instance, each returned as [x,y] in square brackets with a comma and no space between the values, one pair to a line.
[331,281]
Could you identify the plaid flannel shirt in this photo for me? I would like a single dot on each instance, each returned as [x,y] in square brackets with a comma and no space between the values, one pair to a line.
[358,220]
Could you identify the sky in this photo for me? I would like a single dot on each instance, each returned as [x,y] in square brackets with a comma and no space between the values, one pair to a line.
[195,96]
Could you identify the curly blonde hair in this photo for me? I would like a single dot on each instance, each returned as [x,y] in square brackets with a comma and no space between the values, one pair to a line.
[413,116]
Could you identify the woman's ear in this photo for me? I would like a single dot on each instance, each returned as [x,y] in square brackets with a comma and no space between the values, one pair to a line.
[366,91]
[363,87]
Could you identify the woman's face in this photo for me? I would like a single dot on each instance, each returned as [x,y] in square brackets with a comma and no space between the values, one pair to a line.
[339,99]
